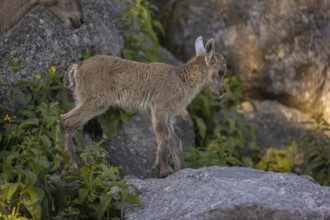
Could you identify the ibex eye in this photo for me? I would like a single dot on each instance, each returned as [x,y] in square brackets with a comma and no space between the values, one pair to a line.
[221,72]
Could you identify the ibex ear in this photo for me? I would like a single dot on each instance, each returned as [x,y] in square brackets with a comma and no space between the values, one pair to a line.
[199,46]
[209,47]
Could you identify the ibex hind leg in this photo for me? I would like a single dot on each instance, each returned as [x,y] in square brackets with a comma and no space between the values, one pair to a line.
[71,121]
[176,150]
[57,146]
[162,134]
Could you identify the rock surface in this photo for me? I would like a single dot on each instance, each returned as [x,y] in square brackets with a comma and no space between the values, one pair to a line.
[275,124]
[281,48]
[41,41]
[230,193]
[134,147]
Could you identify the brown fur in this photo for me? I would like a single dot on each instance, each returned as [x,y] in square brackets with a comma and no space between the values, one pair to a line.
[12,11]
[103,81]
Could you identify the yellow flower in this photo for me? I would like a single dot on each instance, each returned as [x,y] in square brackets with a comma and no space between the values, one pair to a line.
[52,69]
[38,76]
[7,118]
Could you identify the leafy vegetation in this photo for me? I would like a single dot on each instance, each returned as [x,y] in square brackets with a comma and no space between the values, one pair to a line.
[31,151]
[141,43]
[315,144]
[97,196]
[279,160]
[223,138]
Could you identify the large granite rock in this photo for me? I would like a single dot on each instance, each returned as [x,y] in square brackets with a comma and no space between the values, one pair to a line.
[275,124]
[230,193]
[281,48]
[134,147]
[41,41]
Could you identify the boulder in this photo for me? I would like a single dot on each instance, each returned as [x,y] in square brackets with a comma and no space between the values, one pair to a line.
[230,193]
[281,48]
[40,40]
[275,124]
[134,147]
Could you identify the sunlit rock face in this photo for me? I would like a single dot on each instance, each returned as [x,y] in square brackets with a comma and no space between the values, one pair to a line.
[280,48]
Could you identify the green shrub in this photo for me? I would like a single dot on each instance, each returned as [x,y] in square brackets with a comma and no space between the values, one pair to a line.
[141,43]
[316,146]
[27,139]
[223,138]
[96,182]
[31,148]
[279,160]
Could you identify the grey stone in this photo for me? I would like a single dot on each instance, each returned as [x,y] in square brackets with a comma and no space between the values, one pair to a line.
[230,193]
[134,147]
[275,124]
[169,57]
[40,40]
[280,48]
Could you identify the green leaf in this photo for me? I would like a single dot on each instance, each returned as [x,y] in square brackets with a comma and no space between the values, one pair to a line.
[105,201]
[83,193]
[45,140]
[310,167]
[32,197]
[27,113]
[4,84]
[21,97]
[201,126]
[159,27]
[128,54]
[233,161]
[133,199]
[8,190]
[28,122]
[86,171]
[51,120]
[29,83]
[30,177]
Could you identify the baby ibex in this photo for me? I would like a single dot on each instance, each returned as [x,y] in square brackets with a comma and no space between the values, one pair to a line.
[164,90]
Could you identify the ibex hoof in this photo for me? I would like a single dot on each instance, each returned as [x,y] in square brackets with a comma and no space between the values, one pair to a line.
[180,167]
[165,172]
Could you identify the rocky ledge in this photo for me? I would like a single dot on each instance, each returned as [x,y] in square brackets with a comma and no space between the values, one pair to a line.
[230,193]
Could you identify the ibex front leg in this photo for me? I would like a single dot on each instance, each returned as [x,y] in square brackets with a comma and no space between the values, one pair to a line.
[160,124]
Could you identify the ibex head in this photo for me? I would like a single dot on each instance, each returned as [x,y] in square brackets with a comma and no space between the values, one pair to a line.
[68,11]
[216,66]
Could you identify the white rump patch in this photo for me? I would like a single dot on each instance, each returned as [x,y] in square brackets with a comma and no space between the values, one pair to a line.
[71,76]
[199,46]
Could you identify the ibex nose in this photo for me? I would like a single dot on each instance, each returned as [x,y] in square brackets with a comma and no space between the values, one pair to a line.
[82,21]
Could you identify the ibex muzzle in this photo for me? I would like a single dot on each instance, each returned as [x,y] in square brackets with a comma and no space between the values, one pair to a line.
[164,90]
[69,12]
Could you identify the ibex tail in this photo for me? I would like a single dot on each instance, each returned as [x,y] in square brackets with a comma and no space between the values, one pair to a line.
[69,77]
